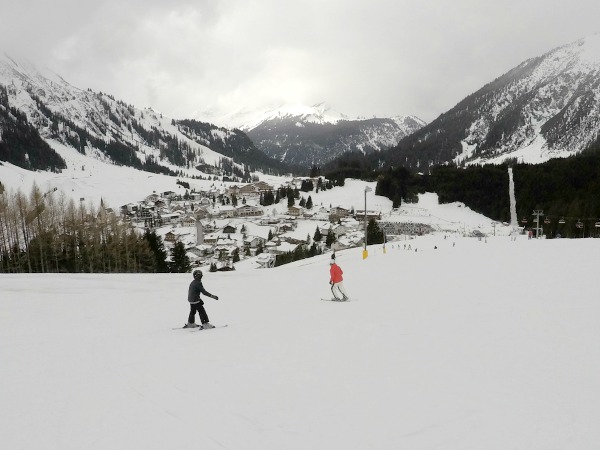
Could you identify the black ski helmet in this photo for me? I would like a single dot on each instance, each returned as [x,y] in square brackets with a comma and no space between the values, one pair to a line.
[197,274]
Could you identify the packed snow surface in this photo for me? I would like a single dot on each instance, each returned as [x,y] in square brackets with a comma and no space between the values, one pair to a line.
[476,344]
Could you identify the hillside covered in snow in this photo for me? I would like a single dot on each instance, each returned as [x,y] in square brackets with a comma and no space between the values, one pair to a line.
[546,107]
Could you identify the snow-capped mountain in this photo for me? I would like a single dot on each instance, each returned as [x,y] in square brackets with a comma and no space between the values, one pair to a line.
[320,113]
[547,107]
[306,136]
[101,127]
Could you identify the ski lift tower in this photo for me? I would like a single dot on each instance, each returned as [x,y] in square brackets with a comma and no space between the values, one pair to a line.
[365,251]
[537,213]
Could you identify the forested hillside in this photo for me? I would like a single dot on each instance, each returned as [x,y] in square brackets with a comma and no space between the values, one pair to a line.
[21,144]
[566,190]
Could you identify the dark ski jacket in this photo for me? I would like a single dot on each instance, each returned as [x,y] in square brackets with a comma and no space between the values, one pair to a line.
[194,292]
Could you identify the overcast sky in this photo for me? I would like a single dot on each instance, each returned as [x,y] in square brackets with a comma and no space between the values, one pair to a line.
[363,58]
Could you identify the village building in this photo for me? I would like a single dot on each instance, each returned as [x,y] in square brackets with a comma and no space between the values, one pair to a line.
[337,213]
[295,211]
[249,211]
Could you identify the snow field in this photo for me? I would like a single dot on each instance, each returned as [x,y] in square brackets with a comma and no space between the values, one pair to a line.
[482,345]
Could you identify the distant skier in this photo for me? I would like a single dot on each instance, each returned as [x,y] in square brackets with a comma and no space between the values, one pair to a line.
[196,303]
[336,281]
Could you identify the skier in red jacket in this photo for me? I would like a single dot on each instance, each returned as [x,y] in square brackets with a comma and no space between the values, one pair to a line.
[336,281]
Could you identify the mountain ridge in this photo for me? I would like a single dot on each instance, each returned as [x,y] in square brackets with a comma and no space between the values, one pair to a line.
[313,136]
[546,107]
[98,125]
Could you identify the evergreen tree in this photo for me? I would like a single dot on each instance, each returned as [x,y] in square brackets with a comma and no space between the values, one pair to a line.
[309,203]
[158,251]
[374,233]
[180,263]
[317,236]
[330,239]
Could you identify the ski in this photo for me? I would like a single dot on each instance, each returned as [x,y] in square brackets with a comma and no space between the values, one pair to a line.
[336,300]
[197,328]
[206,329]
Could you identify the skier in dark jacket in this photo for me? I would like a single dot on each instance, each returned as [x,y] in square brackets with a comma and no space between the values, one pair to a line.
[196,304]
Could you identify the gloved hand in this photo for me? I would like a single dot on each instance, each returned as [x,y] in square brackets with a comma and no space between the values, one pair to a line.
[215,297]
[331,283]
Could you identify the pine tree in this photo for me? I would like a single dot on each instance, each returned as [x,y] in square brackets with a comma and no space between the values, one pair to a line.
[180,263]
[317,236]
[374,233]
[158,251]
[330,239]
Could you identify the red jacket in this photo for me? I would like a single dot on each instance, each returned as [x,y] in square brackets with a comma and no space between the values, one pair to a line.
[336,273]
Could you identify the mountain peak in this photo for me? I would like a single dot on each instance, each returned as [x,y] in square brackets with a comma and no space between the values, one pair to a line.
[319,113]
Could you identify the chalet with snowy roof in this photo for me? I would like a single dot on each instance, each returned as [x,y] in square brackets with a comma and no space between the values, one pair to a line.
[143,211]
[201,213]
[285,227]
[254,242]
[129,208]
[152,198]
[249,190]
[194,259]
[226,211]
[233,190]
[295,211]
[229,229]
[283,247]
[211,238]
[202,250]
[265,260]
[170,237]
[169,218]
[169,195]
[188,221]
[263,187]
[249,211]
[336,213]
[225,251]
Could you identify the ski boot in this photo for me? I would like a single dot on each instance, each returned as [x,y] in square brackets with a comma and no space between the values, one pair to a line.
[207,326]
[191,325]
